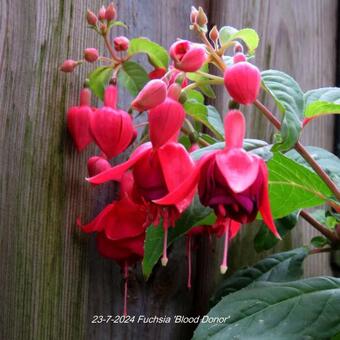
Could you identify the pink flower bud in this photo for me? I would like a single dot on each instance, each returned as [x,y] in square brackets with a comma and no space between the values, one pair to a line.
[91,54]
[187,56]
[68,66]
[193,15]
[201,17]
[213,34]
[238,48]
[121,43]
[153,94]
[96,165]
[157,73]
[91,18]
[238,57]
[174,91]
[102,13]
[242,80]
[110,13]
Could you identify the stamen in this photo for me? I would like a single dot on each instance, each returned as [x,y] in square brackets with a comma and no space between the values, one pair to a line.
[224,267]
[126,269]
[165,244]
[189,260]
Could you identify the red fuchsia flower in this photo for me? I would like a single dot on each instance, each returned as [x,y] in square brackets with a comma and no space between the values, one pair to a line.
[120,229]
[157,73]
[158,167]
[242,80]
[187,56]
[153,94]
[111,128]
[91,54]
[78,121]
[232,182]
[177,77]
[121,43]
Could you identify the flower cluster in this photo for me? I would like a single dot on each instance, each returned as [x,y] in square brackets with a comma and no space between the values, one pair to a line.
[160,178]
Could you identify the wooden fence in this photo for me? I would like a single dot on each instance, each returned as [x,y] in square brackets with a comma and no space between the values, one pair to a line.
[52,280]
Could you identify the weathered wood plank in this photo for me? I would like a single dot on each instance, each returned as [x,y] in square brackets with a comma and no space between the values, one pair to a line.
[51,281]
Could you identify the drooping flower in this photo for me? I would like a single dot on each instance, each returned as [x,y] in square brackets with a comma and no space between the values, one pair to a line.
[153,94]
[232,182]
[242,80]
[78,120]
[120,229]
[158,167]
[112,128]
[187,56]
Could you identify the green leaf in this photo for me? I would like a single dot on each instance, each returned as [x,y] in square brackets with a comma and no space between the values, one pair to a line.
[281,267]
[256,146]
[98,79]
[133,77]
[292,186]
[207,115]
[319,241]
[207,90]
[265,240]
[195,95]
[322,101]
[304,309]
[328,161]
[225,33]
[158,56]
[247,35]
[153,246]
[120,24]
[289,99]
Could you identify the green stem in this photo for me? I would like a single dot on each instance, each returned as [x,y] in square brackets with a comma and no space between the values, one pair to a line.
[208,75]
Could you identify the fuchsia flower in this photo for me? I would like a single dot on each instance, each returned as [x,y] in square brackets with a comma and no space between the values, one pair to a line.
[187,56]
[242,80]
[111,128]
[232,182]
[153,94]
[78,120]
[158,167]
[120,229]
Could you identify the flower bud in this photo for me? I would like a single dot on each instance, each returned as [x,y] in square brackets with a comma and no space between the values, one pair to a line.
[153,94]
[174,91]
[238,48]
[193,15]
[96,165]
[157,73]
[238,57]
[102,13]
[213,34]
[110,13]
[91,18]
[121,43]
[242,80]
[187,56]
[201,17]
[91,54]
[68,66]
